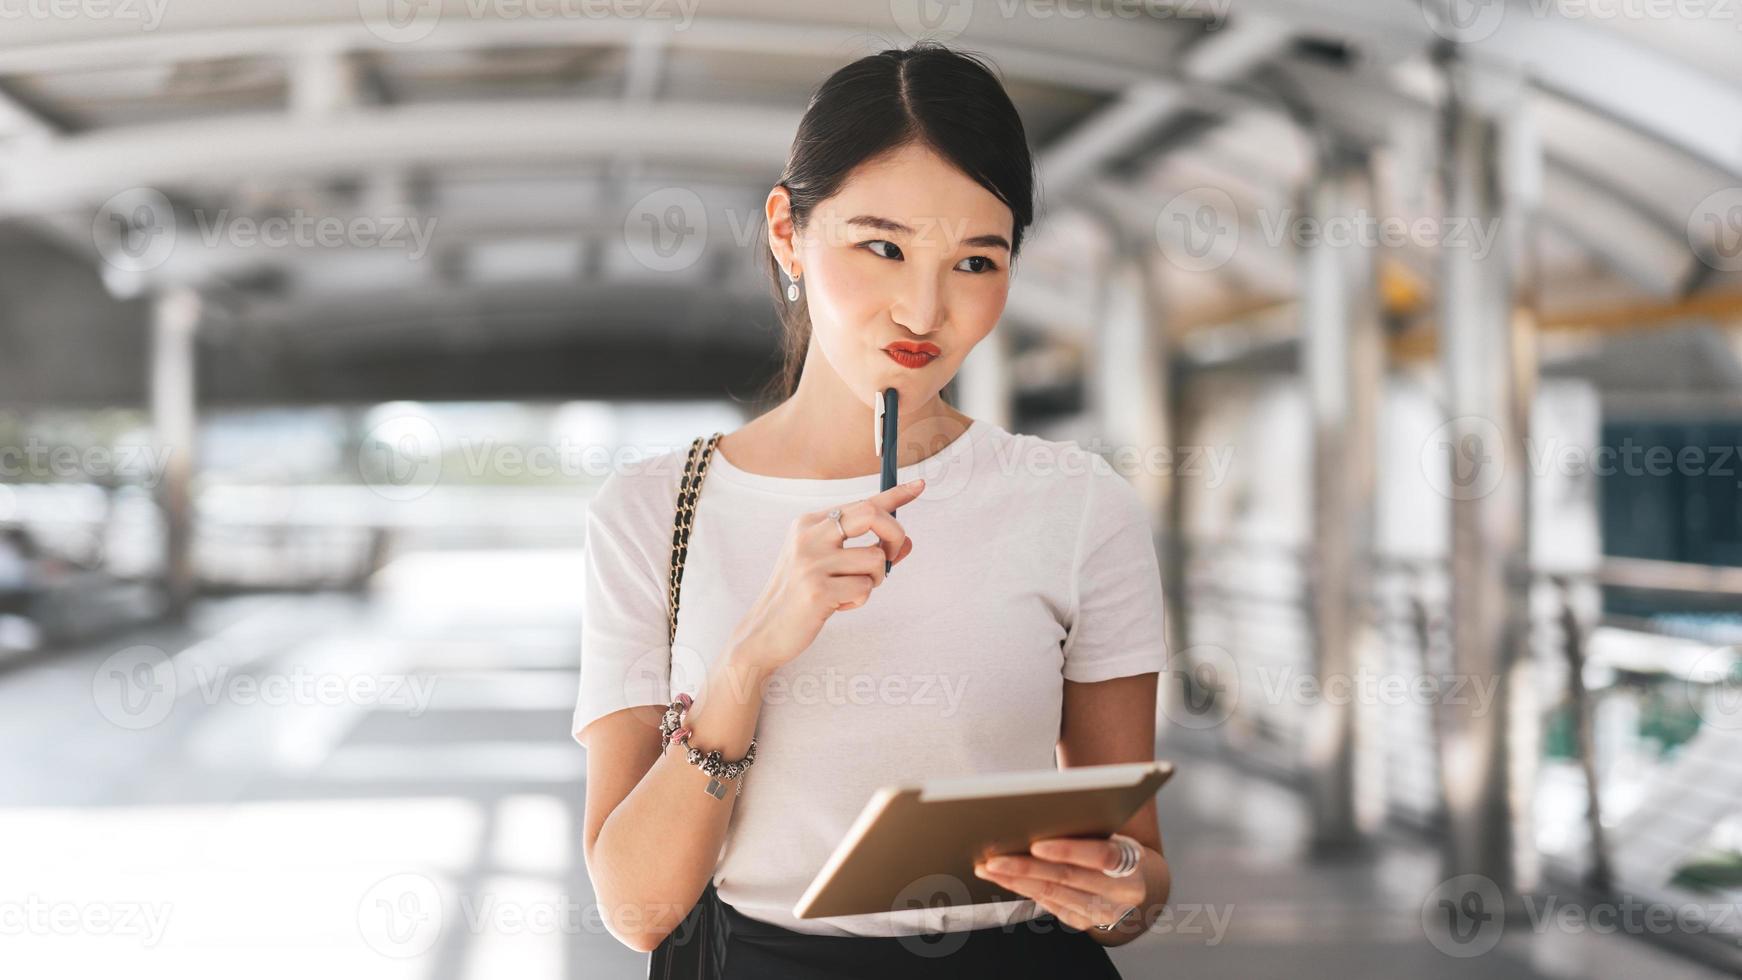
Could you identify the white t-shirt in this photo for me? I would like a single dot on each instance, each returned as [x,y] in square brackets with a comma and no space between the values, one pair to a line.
[1033,563]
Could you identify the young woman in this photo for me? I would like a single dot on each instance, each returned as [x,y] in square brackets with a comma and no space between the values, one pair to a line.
[1024,629]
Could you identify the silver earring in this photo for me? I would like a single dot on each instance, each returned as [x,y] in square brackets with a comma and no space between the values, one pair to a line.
[791,288]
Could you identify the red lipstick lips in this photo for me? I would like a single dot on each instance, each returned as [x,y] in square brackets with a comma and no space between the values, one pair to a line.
[908,353]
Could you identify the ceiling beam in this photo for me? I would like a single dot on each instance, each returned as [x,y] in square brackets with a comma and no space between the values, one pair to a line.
[1147,106]
[80,170]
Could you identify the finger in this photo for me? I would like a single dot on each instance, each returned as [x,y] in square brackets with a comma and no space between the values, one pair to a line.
[860,560]
[864,516]
[1095,853]
[1077,878]
[897,495]
[1072,905]
[848,591]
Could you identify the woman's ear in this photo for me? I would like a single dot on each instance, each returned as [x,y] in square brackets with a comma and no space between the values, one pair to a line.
[782,236]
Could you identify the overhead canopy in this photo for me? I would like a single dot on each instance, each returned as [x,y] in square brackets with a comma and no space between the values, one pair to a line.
[493,169]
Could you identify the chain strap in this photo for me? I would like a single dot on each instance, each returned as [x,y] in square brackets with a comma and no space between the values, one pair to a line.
[689,490]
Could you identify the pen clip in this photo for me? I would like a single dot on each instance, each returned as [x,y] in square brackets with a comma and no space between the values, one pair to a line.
[877,427]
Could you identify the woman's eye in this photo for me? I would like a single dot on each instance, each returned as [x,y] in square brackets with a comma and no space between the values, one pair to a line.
[985,264]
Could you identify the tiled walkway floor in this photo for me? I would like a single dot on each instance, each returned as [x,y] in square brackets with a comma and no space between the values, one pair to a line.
[333,788]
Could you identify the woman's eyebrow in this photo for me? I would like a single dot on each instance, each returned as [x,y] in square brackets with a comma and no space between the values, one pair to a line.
[888,224]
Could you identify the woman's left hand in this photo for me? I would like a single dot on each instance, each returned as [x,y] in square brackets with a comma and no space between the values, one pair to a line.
[1066,876]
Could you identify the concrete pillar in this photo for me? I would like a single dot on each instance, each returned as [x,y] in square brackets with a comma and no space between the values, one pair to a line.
[174,325]
[1489,164]
[1343,363]
[1129,392]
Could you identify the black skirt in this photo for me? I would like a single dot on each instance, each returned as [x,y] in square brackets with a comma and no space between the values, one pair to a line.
[743,948]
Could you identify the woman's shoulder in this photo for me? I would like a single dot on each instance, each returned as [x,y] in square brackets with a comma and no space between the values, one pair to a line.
[640,490]
[1060,476]
[1061,466]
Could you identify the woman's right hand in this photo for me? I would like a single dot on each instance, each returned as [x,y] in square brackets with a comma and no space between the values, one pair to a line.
[815,577]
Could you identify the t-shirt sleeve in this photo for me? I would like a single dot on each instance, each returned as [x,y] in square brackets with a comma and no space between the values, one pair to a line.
[625,653]
[1116,626]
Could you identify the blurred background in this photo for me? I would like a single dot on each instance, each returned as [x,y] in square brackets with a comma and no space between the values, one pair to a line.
[1416,323]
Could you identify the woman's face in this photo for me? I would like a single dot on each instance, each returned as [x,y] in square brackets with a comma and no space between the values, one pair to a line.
[909,250]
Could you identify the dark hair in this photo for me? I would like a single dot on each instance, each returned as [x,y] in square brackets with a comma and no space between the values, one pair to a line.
[927,94]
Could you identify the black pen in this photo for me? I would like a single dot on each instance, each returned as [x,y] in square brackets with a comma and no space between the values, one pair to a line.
[887,410]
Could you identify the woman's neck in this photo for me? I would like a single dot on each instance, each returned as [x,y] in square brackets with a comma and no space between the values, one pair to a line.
[826,432]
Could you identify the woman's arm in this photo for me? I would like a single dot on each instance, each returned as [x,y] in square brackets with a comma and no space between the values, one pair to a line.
[653,834]
[1104,722]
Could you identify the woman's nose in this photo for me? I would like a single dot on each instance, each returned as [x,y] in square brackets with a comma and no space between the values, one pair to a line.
[920,307]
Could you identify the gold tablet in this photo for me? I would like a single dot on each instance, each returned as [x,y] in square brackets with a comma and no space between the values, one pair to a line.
[916,846]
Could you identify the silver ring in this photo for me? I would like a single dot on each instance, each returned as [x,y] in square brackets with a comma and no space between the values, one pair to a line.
[835,515]
[1130,854]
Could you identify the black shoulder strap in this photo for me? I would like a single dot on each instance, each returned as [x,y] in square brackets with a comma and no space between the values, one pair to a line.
[689,489]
